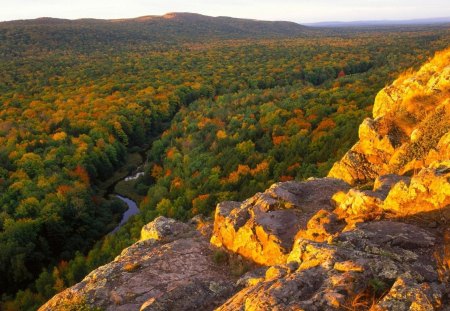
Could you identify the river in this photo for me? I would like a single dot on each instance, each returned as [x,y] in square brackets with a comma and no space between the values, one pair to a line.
[132,210]
[132,205]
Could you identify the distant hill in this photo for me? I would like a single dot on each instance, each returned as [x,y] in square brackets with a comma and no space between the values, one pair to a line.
[179,23]
[424,21]
[53,33]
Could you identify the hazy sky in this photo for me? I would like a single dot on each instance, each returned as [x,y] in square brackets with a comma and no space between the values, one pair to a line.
[297,11]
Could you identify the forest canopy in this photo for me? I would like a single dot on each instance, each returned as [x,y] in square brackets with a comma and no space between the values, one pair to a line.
[242,111]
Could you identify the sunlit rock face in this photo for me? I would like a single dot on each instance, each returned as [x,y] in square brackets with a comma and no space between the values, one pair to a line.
[263,227]
[377,256]
[427,195]
[410,126]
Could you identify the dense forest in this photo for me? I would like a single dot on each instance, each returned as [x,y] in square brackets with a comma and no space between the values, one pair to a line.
[246,106]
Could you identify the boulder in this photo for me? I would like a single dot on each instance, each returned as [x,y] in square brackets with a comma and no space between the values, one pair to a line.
[164,228]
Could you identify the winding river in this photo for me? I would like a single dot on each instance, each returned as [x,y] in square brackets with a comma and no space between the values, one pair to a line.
[132,210]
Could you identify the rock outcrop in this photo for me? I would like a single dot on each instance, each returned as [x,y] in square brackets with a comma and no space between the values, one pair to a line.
[373,259]
[263,228]
[315,245]
[169,269]
[410,126]
[384,244]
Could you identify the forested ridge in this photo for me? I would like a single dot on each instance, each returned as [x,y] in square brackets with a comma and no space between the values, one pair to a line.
[159,32]
[244,114]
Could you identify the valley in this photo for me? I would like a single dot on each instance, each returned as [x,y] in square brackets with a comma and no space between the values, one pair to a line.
[218,109]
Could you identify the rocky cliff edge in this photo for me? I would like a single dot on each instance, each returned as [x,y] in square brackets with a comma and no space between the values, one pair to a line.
[374,235]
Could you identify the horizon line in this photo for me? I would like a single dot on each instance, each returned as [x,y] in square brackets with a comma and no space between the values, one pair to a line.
[254,19]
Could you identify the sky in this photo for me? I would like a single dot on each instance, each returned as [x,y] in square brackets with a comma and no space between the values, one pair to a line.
[300,11]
